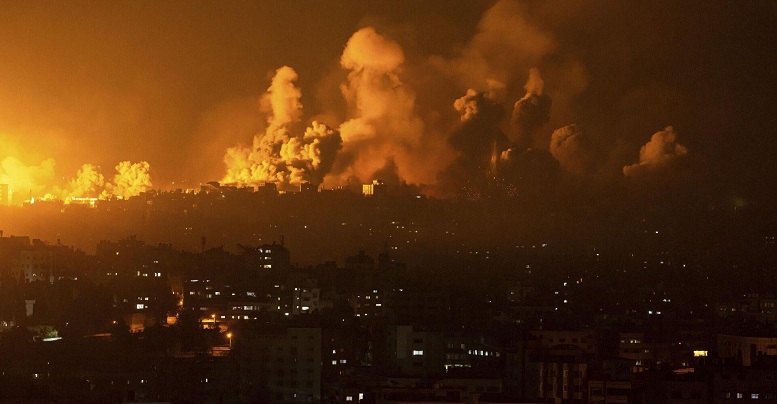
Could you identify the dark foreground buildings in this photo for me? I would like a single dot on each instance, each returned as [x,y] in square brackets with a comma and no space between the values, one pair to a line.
[651,321]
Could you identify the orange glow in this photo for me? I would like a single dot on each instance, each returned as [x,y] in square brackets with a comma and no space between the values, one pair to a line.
[28,183]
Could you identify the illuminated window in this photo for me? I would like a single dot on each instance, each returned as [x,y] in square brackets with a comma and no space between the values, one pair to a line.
[418,352]
[140,306]
[348,398]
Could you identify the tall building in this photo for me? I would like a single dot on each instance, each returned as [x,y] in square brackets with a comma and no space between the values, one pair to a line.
[376,188]
[413,352]
[267,256]
[283,366]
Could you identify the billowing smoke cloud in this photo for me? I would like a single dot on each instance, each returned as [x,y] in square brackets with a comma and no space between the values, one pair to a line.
[384,126]
[130,179]
[506,42]
[88,182]
[24,180]
[571,149]
[277,155]
[660,151]
[531,111]
[39,182]
[478,105]
[479,142]
[478,139]
[311,157]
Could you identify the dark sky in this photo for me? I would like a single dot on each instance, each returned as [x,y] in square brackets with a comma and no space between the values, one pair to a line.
[178,83]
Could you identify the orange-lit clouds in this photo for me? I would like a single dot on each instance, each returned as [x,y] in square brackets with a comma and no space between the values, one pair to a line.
[279,154]
[531,111]
[40,181]
[88,182]
[569,146]
[507,43]
[25,180]
[130,179]
[384,128]
[388,90]
[660,151]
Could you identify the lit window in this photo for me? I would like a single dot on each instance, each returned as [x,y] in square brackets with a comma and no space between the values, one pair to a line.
[348,398]
[417,352]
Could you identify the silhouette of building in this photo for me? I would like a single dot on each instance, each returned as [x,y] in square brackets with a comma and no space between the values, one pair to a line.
[376,188]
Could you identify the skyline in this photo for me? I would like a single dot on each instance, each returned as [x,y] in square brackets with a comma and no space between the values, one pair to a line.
[608,97]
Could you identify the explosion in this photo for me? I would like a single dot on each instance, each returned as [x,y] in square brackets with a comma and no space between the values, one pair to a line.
[277,155]
[27,183]
[660,151]
[531,111]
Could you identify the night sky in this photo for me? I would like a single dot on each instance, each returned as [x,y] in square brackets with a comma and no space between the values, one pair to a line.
[658,92]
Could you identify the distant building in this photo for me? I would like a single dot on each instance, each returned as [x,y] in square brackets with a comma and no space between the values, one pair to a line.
[280,367]
[307,187]
[267,256]
[306,298]
[746,350]
[376,188]
[415,353]
[360,261]
[585,339]
[267,189]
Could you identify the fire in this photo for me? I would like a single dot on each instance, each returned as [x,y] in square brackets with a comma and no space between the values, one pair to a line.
[38,182]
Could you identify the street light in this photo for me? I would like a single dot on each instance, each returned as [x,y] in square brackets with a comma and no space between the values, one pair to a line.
[229,335]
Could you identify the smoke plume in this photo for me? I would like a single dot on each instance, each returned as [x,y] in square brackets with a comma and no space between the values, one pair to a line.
[130,180]
[24,180]
[479,142]
[88,182]
[507,41]
[277,155]
[660,151]
[570,148]
[40,181]
[384,126]
[531,111]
